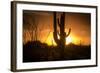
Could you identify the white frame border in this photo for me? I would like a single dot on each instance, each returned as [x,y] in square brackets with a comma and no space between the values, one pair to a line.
[53,64]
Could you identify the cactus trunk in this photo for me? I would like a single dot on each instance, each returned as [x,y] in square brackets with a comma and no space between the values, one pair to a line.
[61,24]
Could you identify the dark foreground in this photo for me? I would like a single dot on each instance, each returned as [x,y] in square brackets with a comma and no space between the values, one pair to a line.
[36,51]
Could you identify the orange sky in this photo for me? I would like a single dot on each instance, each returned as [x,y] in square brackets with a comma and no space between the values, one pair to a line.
[78,22]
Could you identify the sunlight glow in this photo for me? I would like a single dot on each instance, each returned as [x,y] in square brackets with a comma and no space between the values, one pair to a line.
[72,39]
[50,41]
[68,40]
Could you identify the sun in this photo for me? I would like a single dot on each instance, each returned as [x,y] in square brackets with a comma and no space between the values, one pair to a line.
[68,40]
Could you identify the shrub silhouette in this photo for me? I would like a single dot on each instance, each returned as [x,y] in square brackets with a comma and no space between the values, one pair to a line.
[36,51]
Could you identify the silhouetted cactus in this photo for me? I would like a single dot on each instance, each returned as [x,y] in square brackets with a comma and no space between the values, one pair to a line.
[61,23]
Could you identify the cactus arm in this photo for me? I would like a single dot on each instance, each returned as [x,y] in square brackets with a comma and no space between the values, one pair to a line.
[55,29]
[68,32]
[58,21]
[58,33]
[56,38]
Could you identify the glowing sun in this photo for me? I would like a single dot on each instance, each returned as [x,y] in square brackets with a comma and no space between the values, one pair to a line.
[68,40]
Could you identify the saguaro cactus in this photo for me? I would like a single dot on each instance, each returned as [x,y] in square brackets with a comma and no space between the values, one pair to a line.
[61,24]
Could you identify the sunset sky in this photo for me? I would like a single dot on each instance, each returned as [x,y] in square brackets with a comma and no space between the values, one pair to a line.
[80,24]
